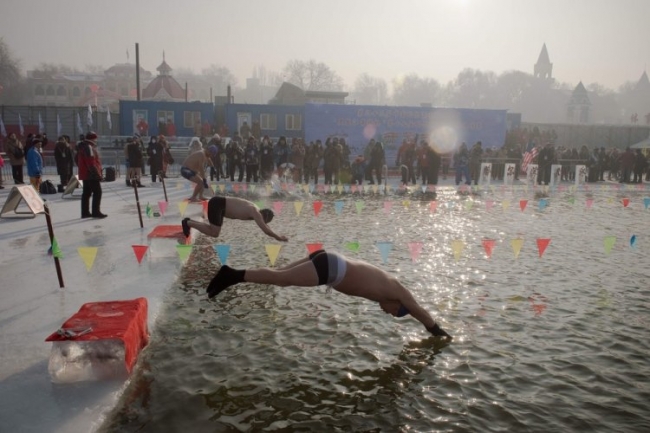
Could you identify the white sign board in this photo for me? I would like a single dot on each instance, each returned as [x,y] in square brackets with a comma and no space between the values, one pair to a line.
[556,174]
[509,174]
[531,174]
[26,194]
[486,173]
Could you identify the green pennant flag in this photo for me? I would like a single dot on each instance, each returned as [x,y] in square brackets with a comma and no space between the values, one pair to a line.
[183,251]
[148,211]
[352,246]
[56,250]
[608,243]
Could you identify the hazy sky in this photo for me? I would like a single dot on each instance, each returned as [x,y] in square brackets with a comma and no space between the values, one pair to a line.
[604,41]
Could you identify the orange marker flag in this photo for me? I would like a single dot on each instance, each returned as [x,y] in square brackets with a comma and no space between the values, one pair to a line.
[318,205]
[542,243]
[313,247]
[140,251]
[522,204]
[488,245]
[626,202]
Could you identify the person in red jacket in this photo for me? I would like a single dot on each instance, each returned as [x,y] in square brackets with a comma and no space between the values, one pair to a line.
[90,172]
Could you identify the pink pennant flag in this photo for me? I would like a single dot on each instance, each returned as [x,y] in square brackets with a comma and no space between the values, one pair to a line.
[590,201]
[321,187]
[313,247]
[318,205]
[277,207]
[415,248]
[542,244]
[488,245]
[162,205]
[140,251]
[626,202]
[353,188]
[489,204]
[522,204]
[235,187]
[433,206]
[388,206]
[244,187]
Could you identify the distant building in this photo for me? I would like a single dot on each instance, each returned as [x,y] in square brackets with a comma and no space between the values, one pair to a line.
[579,105]
[290,94]
[164,87]
[544,67]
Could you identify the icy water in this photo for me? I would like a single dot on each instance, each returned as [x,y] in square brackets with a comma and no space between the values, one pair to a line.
[557,343]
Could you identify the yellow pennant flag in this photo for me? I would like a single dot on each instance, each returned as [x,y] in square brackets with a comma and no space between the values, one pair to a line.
[505,204]
[273,250]
[375,188]
[609,242]
[182,206]
[516,244]
[88,255]
[253,187]
[457,247]
[222,188]
[468,205]
[214,188]
[339,188]
[183,251]
[388,188]
[268,189]
[406,203]
[298,206]
[305,188]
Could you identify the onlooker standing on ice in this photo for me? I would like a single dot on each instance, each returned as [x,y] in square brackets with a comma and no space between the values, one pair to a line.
[135,160]
[297,159]
[266,158]
[64,163]
[475,157]
[16,153]
[35,164]
[155,153]
[90,172]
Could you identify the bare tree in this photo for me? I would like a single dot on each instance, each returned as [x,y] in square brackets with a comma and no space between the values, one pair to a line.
[94,69]
[312,75]
[471,89]
[413,90]
[50,70]
[11,79]
[370,90]
[220,77]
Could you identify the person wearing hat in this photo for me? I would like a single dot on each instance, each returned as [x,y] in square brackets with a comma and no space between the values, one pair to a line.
[64,163]
[90,172]
[193,169]
[136,161]
[35,163]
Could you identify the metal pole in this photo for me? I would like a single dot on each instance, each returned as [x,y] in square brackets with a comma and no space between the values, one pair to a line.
[161,175]
[50,230]
[137,70]
[134,184]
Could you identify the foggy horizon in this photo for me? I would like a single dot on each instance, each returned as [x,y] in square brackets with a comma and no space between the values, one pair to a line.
[602,42]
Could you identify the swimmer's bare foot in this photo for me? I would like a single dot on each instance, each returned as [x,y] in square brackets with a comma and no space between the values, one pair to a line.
[225,278]
[437,331]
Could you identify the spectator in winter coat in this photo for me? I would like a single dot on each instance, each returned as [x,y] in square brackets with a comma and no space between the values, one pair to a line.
[16,153]
[266,158]
[35,164]
[155,154]
[90,172]
[461,164]
[64,161]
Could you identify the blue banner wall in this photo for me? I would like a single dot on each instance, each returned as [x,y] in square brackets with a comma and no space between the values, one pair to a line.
[443,128]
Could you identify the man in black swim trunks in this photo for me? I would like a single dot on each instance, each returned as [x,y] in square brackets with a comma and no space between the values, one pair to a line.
[351,277]
[233,208]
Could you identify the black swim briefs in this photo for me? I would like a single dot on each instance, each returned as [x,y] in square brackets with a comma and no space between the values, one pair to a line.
[216,210]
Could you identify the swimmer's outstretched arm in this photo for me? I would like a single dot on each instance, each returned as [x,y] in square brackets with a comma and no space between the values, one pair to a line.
[421,314]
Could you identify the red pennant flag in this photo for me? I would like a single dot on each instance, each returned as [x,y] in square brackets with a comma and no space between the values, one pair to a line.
[522,204]
[626,201]
[318,205]
[542,244]
[205,209]
[488,245]
[140,251]
[433,206]
[235,187]
[314,247]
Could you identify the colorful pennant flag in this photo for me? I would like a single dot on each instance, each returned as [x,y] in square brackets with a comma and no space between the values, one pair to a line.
[89,116]
[415,248]
[273,250]
[183,251]
[457,247]
[313,247]
[522,204]
[359,205]
[633,241]
[56,250]
[516,244]
[318,205]
[182,207]
[223,251]
[385,248]
[148,211]
[338,206]
[297,205]
[626,202]
[433,206]
[140,251]
[88,255]
[388,205]
[488,246]
[542,243]
[352,246]
[608,243]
